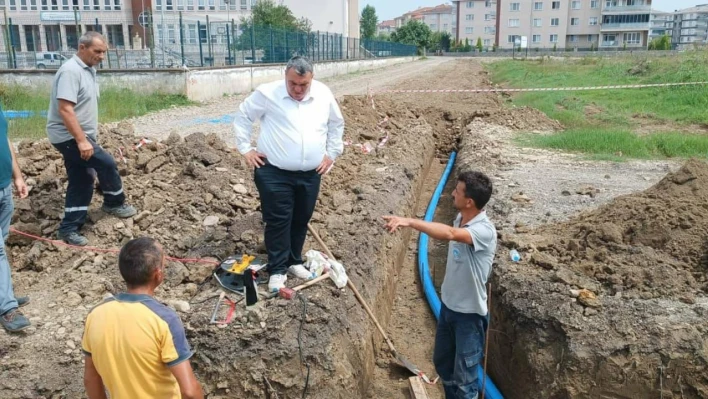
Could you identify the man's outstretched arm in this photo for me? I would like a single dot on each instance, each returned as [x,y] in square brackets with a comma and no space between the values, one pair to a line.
[437,231]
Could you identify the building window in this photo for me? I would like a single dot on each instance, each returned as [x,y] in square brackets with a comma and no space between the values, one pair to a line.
[575,21]
[537,23]
[200,7]
[632,38]
[512,38]
[594,3]
[33,5]
[487,42]
[556,5]
[538,6]
[117,5]
[96,5]
[590,38]
[488,3]
[107,5]
[445,27]
[593,21]
[573,38]
[575,5]
[470,4]
[489,17]
[469,17]
[514,6]
[469,30]
[490,30]
[554,38]
[555,21]
[536,38]
[513,23]
[244,4]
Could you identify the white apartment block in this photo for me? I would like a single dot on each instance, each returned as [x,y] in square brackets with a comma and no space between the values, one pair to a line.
[440,18]
[690,27]
[560,24]
[53,25]
[477,19]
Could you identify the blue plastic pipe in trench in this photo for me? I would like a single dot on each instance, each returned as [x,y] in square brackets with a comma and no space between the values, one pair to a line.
[431,295]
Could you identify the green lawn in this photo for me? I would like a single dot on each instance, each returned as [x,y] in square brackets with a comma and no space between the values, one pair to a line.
[114,105]
[603,122]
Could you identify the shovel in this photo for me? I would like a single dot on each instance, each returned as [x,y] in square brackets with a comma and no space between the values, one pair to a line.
[399,358]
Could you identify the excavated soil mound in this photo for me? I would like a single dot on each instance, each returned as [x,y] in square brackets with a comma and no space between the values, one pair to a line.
[648,245]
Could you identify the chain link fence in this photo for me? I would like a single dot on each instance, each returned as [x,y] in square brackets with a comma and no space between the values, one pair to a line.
[177,40]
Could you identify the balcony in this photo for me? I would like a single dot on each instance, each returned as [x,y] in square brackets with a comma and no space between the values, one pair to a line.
[626,9]
[617,43]
[624,26]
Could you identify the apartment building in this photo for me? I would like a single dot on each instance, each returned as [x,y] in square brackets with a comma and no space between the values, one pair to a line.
[440,18]
[625,23]
[476,19]
[660,24]
[386,27]
[690,27]
[53,25]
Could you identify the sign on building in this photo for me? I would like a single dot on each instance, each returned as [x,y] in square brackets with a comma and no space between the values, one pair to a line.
[59,16]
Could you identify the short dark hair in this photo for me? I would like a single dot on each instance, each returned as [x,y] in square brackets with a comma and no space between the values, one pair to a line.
[138,260]
[478,187]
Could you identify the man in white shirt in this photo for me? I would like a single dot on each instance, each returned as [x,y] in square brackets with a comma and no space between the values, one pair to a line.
[300,137]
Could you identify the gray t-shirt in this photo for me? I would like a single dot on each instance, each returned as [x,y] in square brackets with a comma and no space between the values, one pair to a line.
[76,82]
[469,267]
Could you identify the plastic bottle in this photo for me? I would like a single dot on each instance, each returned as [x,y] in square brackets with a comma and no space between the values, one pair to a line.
[514,255]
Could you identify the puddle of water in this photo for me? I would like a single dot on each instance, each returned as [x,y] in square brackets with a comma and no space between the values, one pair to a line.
[222,120]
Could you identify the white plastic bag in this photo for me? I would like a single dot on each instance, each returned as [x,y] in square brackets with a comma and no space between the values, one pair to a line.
[316,262]
[337,273]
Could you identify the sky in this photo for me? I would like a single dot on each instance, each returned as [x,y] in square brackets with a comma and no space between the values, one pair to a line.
[389,9]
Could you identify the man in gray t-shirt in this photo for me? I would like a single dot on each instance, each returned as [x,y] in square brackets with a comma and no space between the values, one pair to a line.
[72,127]
[462,325]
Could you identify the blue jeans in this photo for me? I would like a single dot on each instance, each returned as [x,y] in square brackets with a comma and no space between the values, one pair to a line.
[81,182]
[7,297]
[459,346]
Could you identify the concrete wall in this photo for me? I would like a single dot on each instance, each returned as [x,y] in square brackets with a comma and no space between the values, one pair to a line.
[197,85]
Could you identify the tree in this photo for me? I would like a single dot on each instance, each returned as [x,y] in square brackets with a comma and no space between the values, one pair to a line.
[479,44]
[445,41]
[368,22]
[660,43]
[415,33]
[383,37]
[293,34]
[467,47]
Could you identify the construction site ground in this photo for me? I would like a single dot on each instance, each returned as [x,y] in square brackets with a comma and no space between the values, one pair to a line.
[608,300]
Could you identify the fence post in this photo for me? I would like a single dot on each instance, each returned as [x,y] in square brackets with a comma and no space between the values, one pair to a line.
[12,44]
[208,28]
[287,50]
[199,38]
[228,42]
[96,27]
[181,38]
[76,22]
[253,43]
[272,47]
[151,36]
[8,40]
[233,38]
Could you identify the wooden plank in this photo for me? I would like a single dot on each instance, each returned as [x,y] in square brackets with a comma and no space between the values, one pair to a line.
[417,388]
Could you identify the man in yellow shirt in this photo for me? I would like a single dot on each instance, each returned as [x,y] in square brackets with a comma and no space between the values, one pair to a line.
[135,346]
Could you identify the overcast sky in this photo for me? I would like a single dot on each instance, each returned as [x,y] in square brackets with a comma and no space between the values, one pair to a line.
[389,9]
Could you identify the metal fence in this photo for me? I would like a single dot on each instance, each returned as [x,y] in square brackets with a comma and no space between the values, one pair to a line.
[175,40]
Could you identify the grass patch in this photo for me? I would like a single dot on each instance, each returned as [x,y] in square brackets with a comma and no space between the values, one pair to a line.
[606,144]
[600,122]
[115,104]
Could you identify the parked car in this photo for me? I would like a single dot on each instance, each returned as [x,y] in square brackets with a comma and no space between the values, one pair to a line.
[49,60]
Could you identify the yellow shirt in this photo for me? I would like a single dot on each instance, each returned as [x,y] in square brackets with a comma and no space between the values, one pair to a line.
[133,340]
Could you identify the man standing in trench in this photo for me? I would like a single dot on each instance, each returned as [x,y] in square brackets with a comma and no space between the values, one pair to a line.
[462,325]
[10,318]
[72,128]
[300,137]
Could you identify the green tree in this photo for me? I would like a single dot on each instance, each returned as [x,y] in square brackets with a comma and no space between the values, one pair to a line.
[467,48]
[415,33]
[289,34]
[368,22]
[479,44]
[445,41]
[383,37]
[660,43]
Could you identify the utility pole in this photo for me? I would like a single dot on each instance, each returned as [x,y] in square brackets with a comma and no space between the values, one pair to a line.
[162,31]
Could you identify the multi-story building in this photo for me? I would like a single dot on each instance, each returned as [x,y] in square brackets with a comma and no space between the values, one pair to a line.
[476,19]
[53,25]
[690,27]
[625,23]
[440,18]
[660,24]
[386,27]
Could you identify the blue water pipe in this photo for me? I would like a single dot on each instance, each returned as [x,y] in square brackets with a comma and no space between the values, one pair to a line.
[491,391]
[22,114]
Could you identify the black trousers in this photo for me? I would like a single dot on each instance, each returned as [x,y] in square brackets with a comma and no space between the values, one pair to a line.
[287,202]
[81,182]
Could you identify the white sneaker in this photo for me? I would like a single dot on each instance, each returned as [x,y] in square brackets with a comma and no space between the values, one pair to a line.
[276,282]
[300,271]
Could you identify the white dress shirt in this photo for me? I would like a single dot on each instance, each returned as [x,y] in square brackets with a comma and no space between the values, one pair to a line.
[295,135]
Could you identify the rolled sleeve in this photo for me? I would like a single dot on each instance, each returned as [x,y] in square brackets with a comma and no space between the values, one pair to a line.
[335,130]
[250,110]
